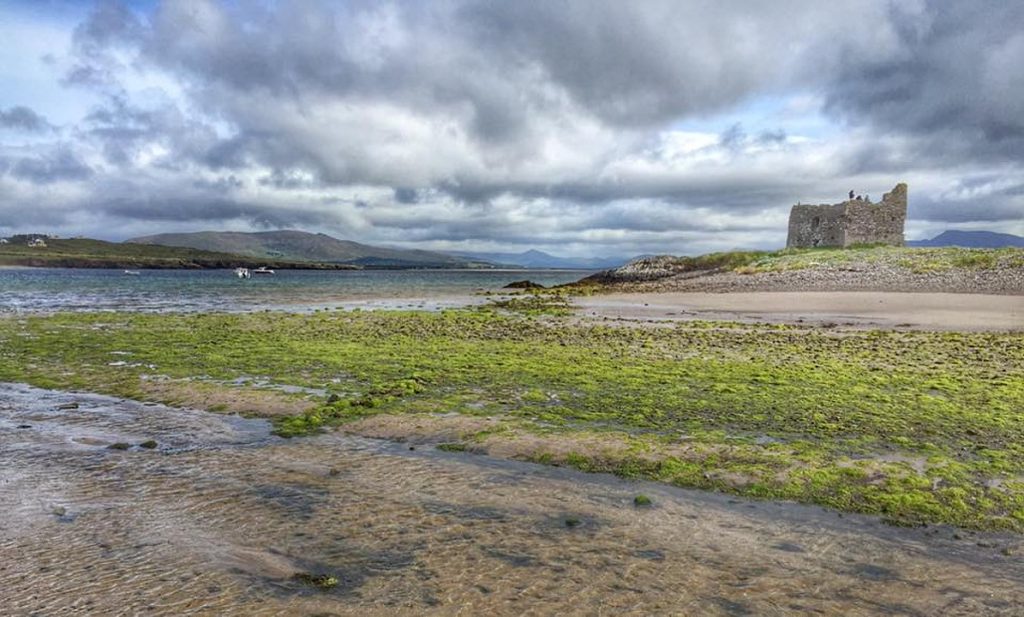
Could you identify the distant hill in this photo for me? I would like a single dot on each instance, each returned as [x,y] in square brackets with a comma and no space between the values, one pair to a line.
[540,259]
[971,239]
[304,246]
[39,250]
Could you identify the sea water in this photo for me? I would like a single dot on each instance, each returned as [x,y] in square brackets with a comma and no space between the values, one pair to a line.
[66,289]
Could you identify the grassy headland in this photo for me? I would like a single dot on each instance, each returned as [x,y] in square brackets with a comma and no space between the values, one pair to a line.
[919,427]
[877,268]
[87,253]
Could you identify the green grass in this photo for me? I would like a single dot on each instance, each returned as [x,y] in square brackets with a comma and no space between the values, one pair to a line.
[731,260]
[916,260]
[918,427]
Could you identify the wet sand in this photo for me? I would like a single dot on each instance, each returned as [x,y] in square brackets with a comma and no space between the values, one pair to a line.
[925,311]
[220,517]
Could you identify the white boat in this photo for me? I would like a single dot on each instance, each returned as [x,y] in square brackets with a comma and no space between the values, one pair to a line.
[131,272]
[243,273]
[263,270]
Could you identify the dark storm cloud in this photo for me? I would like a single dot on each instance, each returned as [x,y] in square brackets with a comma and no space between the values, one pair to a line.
[109,27]
[510,75]
[632,217]
[109,217]
[28,219]
[206,210]
[500,69]
[58,165]
[987,198]
[110,23]
[22,118]
[220,185]
[406,195]
[627,66]
[737,193]
[955,82]
[288,180]
[189,207]
[642,67]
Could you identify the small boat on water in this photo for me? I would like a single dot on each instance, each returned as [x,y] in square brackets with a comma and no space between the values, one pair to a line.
[131,272]
[263,270]
[243,273]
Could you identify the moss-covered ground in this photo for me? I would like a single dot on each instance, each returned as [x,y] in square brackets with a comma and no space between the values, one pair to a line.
[919,427]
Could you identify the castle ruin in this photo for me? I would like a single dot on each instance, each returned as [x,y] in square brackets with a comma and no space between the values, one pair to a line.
[855,221]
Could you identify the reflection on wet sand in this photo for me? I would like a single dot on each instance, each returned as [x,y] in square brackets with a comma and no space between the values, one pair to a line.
[220,518]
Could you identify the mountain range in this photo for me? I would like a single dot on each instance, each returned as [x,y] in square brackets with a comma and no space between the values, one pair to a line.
[304,246]
[971,239]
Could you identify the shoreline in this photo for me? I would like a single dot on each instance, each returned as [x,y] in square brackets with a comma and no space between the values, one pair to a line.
[912,310]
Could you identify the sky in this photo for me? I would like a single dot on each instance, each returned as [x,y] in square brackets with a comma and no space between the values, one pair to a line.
[583,128]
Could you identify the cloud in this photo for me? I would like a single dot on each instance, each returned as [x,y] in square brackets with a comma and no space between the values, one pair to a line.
[22,118]
[952,81]
[58,165]
[654,126]
[99,43]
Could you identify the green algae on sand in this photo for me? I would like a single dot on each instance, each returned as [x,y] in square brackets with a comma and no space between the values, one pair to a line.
[919,427]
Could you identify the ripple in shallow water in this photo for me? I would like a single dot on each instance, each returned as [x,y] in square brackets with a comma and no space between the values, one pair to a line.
[221,517]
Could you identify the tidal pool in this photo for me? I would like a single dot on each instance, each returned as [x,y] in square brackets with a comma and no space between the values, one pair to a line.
[222,518]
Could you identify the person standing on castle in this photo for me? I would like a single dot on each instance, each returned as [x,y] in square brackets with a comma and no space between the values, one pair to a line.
[851,193]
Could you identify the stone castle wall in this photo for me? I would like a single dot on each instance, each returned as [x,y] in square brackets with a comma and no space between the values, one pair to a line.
[811,226]
[880,223]
[850,222]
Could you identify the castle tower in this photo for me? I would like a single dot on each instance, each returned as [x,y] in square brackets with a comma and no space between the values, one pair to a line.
[850,222]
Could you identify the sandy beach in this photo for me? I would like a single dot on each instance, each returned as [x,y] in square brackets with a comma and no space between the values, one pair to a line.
[924,311]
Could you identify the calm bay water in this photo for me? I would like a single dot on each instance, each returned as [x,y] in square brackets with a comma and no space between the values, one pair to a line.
[64,289]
